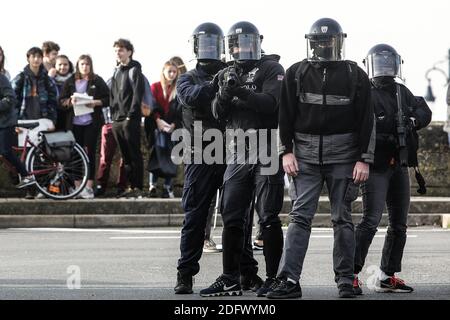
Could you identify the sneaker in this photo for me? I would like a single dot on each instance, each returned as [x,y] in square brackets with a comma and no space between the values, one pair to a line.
[210,246]
[167,193]
[26,181]
[29,195]
[223,286]
[124,193]
[269,285]
[120,192]
[99,191]
[87,193]
[346,291]
[258,245]
[184,284]
[251,282]
[136,194]
[40,196]
[357,284]
[285,290]
[152,191]
[393,284]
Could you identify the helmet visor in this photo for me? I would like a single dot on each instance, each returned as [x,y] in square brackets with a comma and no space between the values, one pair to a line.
[384,64]
[207,46]
[329,48]
[243,47]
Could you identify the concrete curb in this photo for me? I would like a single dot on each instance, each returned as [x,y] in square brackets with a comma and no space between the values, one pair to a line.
[102,213]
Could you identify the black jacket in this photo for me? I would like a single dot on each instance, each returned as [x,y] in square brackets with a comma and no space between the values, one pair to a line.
[8,101]
[326,123]
[385,108]
[127,91]
[96,88]
[260,109]
[195,94]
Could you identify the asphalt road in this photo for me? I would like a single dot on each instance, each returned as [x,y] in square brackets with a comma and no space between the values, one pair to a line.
[141,264]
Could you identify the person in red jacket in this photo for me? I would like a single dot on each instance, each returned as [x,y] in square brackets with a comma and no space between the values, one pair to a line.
[165,116]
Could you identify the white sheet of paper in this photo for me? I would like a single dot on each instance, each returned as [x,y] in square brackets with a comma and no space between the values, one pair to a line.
[80,109]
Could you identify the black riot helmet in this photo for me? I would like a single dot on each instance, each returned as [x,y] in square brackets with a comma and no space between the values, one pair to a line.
[325,41]
[243,42]
[383,61]
[207,42]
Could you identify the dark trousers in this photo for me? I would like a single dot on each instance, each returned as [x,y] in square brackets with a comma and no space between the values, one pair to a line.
[201,182]
[341,192]
[128,137]
[212,208]
[86,137]
[391,186]
[242,182]
[7,138]
[108,149]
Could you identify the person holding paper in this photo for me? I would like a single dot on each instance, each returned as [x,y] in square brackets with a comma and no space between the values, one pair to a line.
[83,95]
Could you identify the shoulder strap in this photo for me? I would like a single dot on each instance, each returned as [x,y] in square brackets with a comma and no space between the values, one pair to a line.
[300,75]
[352,68]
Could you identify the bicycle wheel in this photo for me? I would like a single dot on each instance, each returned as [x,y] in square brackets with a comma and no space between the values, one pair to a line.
[59,180]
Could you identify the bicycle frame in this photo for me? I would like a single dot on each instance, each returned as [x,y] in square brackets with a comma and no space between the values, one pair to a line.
[24,151]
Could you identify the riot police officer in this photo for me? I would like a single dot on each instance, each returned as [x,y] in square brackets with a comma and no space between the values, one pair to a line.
[248,101]
[326,127]
[398,115]
[196,90]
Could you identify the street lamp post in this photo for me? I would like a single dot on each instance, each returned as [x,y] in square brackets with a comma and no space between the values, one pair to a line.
[429,96]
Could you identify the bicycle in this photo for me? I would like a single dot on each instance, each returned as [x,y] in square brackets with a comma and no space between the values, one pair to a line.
[58,180]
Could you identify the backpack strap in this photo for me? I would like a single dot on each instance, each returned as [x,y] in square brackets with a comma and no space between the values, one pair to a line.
[300,75]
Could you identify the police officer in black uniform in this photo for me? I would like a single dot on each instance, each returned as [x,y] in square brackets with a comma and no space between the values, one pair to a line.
[248,100]
[196,90]
[327,136]
[396,146]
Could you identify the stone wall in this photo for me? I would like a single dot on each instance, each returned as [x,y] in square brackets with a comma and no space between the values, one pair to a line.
[434,162]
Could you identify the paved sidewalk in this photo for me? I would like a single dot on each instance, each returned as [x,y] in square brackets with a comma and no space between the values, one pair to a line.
[141,264]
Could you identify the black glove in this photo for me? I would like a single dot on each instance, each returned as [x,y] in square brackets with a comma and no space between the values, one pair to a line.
[217,80]
[241,93]
[214,83]
[225,94]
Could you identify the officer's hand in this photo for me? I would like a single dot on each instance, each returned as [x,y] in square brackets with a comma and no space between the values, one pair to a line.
[360,172]
[290,164]
[225,94]
[241,93]
[214,83]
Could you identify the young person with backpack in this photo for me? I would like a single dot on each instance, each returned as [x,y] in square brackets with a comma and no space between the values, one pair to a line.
[126,102]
